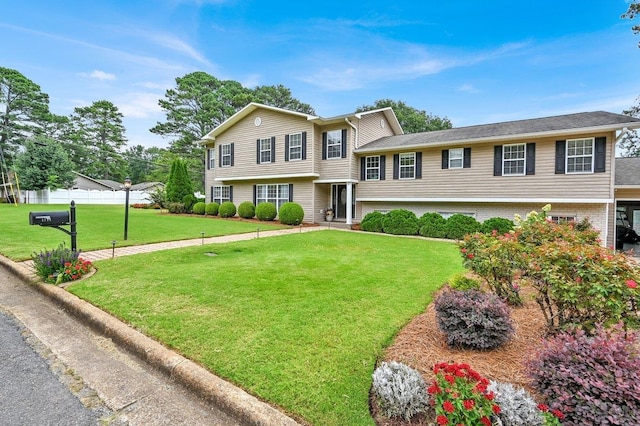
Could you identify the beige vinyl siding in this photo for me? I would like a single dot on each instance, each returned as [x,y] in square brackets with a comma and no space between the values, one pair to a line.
[478,180]
[244,135]
[628,194]
[335,168]
[369,128]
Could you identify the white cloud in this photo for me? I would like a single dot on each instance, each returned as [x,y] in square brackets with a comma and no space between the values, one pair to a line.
[101,75]
[138,104]
[468,88]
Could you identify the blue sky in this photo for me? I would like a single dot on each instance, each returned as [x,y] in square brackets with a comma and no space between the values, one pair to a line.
[472,61]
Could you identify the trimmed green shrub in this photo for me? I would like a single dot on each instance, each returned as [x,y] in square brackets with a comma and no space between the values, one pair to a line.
[372,222]
[498,224]
[266,211]
[291,213]
[199,208]
[472,319]
[177,208]
[459,225]
[188,200]
[212,209]
[227,209]
[246,210]
[432,225]
[591,379]
[400,222]
[400,390]
[517,406]
[462,282]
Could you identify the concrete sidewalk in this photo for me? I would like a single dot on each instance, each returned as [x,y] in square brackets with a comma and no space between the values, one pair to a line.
[78,333]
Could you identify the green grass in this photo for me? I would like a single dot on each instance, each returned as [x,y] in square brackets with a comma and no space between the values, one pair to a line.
[297,320]
[98,225]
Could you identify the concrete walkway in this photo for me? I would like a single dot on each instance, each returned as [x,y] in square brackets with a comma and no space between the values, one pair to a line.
[158,386]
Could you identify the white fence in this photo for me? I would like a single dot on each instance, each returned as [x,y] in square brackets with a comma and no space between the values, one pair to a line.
[84,196]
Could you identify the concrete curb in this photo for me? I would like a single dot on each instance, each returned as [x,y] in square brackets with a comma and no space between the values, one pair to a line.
[236,402]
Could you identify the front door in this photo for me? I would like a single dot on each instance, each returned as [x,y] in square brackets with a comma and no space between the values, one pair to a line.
[339,201]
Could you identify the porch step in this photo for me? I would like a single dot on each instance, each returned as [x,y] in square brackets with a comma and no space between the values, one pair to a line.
[335,224]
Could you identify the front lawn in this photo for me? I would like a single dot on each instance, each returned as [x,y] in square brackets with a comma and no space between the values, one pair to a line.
[98,225]
[298,320]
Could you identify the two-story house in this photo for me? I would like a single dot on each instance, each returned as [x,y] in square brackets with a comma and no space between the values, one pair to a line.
[363,162]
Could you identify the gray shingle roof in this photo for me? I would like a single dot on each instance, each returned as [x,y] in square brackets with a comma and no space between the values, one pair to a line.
[560,123]
[628,171]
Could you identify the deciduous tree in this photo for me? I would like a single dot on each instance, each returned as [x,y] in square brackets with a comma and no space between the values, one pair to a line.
[44,164]
[630,143]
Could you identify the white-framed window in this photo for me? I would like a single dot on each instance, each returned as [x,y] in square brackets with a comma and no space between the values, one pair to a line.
[221,193]
[226,155]
[277,194]
[265,150]
[334,144]
[212,158]
[513,159]
[447,215]
[562,219]
[372,168]
[455,158]
[408,165]
[295,147]
[580,155]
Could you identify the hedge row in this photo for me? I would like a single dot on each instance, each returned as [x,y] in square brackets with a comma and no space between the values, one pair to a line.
[431,224]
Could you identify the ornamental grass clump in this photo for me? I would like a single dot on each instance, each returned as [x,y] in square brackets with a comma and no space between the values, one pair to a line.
[399,390]
[592,379]
[460,395]
[473,319]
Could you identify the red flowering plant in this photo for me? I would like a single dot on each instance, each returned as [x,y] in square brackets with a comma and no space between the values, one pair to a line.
[73,270]
[551,417]
[460,396]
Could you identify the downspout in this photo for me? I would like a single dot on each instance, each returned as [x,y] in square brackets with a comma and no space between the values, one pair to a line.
[349,183]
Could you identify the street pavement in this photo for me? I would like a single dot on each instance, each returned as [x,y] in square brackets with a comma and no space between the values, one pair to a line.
[31,392]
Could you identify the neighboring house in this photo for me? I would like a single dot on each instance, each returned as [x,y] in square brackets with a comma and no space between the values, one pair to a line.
[362,162]
[86,182]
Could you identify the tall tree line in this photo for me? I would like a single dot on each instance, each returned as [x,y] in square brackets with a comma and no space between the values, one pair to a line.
[630,143]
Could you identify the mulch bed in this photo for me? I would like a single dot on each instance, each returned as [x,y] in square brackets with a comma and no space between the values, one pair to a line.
[420,345]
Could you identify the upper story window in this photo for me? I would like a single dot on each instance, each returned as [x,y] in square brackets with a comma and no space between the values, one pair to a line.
[372,168]
[455,158]
[295,146]
[334,144]
[408,165]
[265,150]
[226,155]
[211,154]
[513,159]
[580,155]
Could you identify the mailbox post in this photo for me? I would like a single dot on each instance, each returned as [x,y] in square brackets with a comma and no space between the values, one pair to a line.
[56,219]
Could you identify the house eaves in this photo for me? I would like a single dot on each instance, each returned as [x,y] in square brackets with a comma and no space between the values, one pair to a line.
[575,124]
[267,177]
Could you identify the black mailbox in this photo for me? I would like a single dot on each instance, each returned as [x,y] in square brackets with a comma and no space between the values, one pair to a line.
[48,218]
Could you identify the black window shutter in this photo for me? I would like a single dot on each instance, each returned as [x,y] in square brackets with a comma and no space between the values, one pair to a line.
[445,158]
[208,159]
[363,165]
[258,151]
[231,193]
[497,160]
[232,154]
[220,156]
[561,150]
[273,149]
[531,158]
[466,158]
[304,145]
[324,145]
[396,166]
[255,195]
[290,192]
[286,147]
[382,166]
[212,194]
[343,146]
[601,155]
[418,165]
